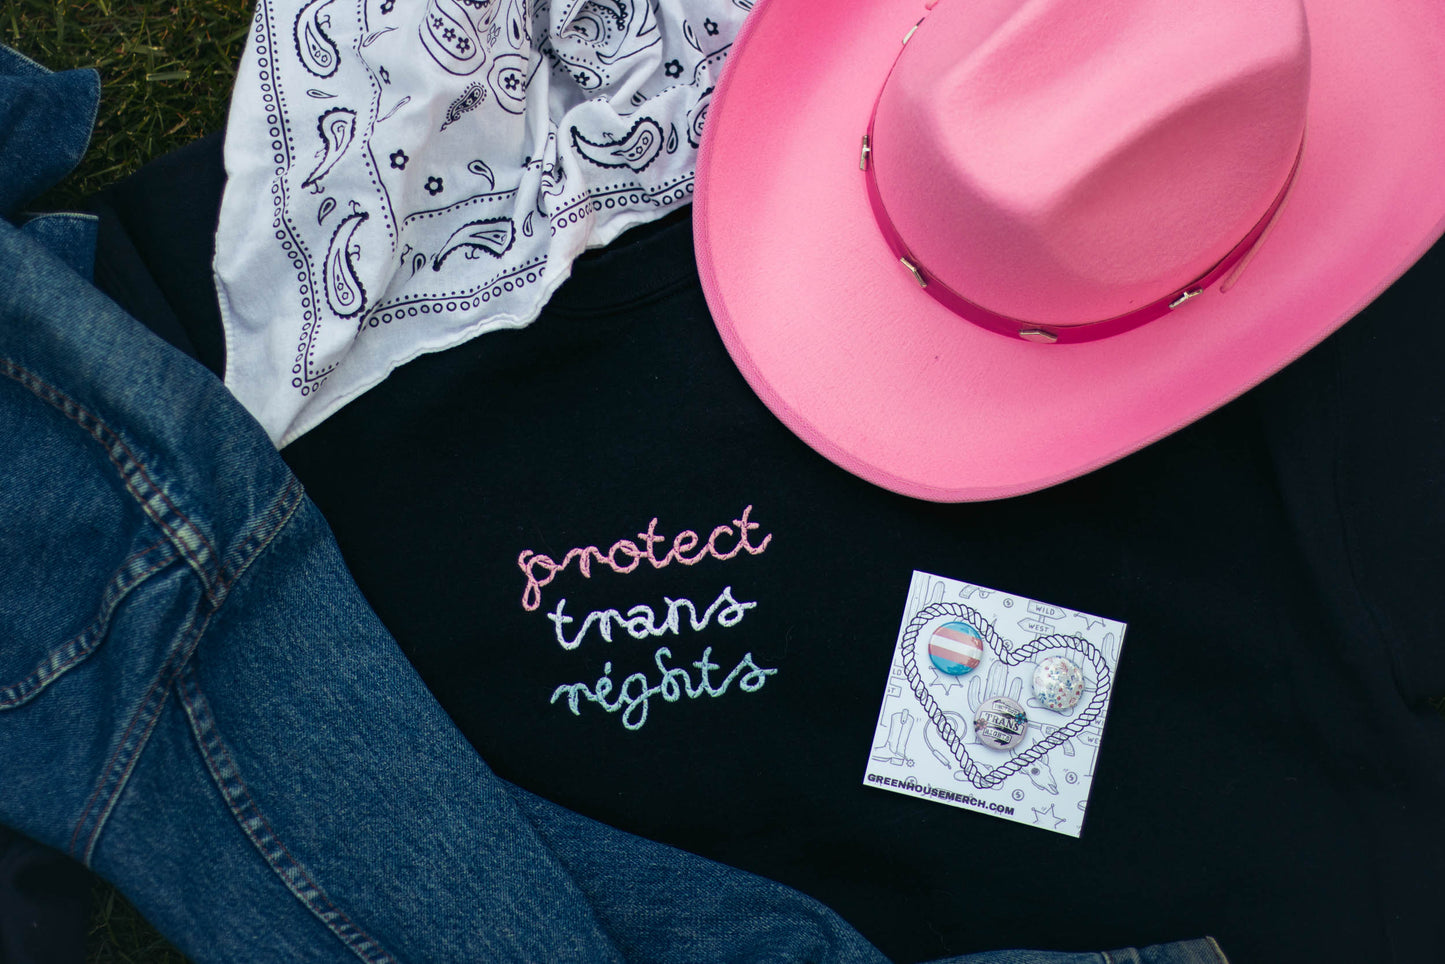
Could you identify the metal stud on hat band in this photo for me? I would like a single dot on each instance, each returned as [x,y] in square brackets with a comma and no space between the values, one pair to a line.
[1056,334]
[1234,261]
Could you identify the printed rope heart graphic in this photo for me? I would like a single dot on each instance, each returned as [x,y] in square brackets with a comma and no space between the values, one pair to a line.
[1005,653]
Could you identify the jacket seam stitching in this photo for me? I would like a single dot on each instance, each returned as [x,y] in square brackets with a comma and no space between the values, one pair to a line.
[123,760]
[117,770]
[259,536]
[96,427]
[79,647]
[253,823]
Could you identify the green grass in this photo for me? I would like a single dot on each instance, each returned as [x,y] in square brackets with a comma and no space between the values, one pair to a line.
[119,935]
[166,70]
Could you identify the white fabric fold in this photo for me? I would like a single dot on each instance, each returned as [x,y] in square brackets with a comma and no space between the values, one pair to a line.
[404,175]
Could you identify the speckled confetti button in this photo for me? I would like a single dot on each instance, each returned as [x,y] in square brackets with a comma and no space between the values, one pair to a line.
[1001,723]
[1058,683]
[955,648]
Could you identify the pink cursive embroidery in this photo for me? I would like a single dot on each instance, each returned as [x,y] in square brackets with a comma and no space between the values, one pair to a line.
[688,548]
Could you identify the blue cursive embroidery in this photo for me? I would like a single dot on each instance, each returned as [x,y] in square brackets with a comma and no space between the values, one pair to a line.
[635,693]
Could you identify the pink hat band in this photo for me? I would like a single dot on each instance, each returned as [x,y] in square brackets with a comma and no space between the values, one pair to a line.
[1227,270]
[1073,225]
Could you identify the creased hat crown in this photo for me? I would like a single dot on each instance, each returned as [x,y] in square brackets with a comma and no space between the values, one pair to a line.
[1064,162]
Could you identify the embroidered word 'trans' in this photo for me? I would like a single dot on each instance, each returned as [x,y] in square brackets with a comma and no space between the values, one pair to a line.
[688,548]
[641,622]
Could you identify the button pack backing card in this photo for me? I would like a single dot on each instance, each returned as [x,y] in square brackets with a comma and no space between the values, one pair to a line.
[963,653]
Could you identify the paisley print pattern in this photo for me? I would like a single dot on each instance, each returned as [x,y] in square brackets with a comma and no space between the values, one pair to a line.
[509,76]
[316,50]
[696,117]
[470,99]
[337,128]
[433,166]
[635,150]
[450,35]
[492,236]
[344,291]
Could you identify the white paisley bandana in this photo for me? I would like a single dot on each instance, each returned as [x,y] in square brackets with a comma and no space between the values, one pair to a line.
[407,174]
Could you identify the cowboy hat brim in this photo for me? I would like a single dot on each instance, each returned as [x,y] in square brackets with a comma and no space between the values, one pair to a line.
[843,346]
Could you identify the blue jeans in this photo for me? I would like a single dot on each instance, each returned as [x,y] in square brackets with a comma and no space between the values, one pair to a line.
[196,702]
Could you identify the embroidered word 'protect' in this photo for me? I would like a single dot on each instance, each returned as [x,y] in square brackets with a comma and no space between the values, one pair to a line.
[688,548]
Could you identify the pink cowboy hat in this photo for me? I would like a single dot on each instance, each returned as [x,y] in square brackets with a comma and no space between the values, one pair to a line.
[969,249]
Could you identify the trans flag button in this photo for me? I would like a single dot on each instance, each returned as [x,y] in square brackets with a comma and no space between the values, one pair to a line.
[955,648]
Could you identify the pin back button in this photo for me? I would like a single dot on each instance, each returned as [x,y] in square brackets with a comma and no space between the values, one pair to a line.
[1058,683]
[955,648]
[1001,723]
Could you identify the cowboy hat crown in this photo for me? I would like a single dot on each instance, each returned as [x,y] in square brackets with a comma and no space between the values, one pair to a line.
[1110,153]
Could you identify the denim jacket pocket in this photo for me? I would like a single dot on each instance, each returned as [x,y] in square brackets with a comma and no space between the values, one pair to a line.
[74,543]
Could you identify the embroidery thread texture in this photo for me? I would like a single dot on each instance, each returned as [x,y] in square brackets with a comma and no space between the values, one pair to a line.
[633,697]
[633,701]
[684,542]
